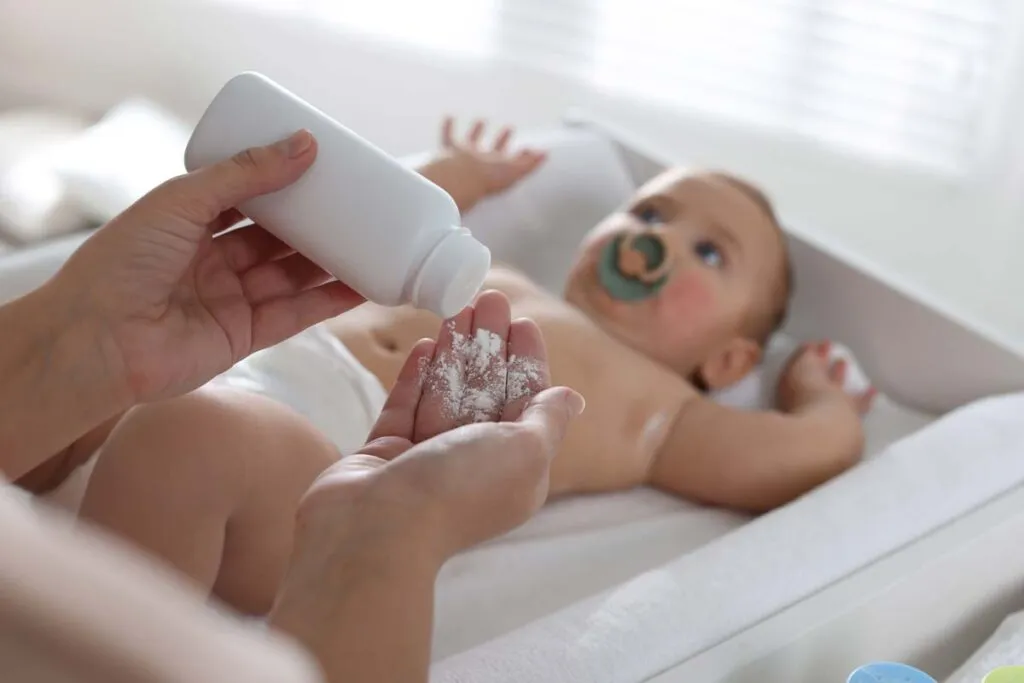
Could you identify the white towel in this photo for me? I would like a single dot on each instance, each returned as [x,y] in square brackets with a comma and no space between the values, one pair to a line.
[668,615]
[572,550]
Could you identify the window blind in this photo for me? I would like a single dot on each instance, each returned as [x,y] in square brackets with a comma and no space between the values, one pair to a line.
[458,26]
[903,80]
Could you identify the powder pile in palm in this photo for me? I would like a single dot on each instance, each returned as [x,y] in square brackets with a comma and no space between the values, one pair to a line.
[474,379]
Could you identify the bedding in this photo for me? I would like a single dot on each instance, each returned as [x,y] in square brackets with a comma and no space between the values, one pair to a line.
[34,203]
[634,630]
[577,548]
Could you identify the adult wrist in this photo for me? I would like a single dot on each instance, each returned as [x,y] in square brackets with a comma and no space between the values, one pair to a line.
[60,376]
[327,603]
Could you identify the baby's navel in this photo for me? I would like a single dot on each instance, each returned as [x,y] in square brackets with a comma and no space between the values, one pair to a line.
[385,340]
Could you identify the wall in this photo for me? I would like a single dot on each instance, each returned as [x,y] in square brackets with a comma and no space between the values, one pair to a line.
[956,241]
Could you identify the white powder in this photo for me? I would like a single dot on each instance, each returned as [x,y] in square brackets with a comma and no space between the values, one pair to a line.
[524,375]
[474,380]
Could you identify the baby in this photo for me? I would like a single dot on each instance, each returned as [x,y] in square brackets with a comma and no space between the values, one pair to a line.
[210,482]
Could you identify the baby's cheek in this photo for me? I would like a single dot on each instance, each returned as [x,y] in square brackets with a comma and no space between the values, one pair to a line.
[687,299]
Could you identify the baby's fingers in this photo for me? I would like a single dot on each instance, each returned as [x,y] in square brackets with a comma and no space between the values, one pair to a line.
[501,142]
[475,134]
[448,132]
[866,400]
[837,372]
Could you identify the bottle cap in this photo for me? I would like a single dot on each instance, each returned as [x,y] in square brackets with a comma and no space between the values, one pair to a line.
[452,274]
[889,672]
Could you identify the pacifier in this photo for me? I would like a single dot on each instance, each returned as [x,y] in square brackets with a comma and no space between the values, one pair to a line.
[1006,674]
[635,265]
[889,672]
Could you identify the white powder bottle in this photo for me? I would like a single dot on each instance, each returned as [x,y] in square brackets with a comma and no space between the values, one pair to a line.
[384,230]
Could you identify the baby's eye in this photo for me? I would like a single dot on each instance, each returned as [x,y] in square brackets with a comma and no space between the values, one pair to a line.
[649,215]
[709,253]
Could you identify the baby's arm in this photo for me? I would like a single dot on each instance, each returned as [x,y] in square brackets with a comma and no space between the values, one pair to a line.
[758,461]
[469,170]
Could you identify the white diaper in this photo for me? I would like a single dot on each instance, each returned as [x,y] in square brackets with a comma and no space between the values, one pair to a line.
[316,376]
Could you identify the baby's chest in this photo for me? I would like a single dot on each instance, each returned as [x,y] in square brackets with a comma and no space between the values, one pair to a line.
[631,401]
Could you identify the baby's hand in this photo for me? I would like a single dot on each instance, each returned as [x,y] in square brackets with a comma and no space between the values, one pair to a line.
[811,376]
[471,171]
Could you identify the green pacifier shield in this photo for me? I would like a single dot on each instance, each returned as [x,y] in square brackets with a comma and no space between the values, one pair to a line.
[622,286]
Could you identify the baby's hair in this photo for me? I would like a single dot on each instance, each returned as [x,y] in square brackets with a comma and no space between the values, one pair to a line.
[763,324]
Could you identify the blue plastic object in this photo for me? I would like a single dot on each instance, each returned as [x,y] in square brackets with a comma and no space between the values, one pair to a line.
[889,672]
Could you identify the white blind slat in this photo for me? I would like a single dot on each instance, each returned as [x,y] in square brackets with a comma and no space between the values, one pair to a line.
[904,79]
[898,78]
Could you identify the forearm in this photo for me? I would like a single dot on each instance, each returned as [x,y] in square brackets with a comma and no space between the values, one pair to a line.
[366,618]
[465,191]
[57,379]
[756,461]
[81,603]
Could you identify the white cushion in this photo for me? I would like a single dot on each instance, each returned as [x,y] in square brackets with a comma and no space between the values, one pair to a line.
[34,202]
[132,149]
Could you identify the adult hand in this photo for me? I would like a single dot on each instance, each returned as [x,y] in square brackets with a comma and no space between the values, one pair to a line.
[175,299]
[374,529]
[427,474]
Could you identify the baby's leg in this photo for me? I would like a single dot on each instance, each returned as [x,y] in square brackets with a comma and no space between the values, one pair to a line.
[210,483]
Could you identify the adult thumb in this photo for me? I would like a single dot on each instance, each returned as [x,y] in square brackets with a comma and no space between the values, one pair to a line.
[207,192]
[550,413]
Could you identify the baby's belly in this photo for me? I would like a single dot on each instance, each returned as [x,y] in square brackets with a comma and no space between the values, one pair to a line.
[381,338]
[631,402]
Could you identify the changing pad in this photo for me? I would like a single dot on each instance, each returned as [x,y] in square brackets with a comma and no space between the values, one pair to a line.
[576,548]
[667,615]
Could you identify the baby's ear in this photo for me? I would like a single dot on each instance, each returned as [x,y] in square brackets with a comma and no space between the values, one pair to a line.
[730,363]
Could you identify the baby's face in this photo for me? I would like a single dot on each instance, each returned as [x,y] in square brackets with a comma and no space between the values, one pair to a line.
[727,250]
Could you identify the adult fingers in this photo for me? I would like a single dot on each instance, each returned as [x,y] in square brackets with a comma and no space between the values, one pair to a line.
[549,414]
[527,371]
[284,277]
[204,194]
[444,385]
[398,416]
[247,247]
[484,391]
[278,319]
[228,219]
